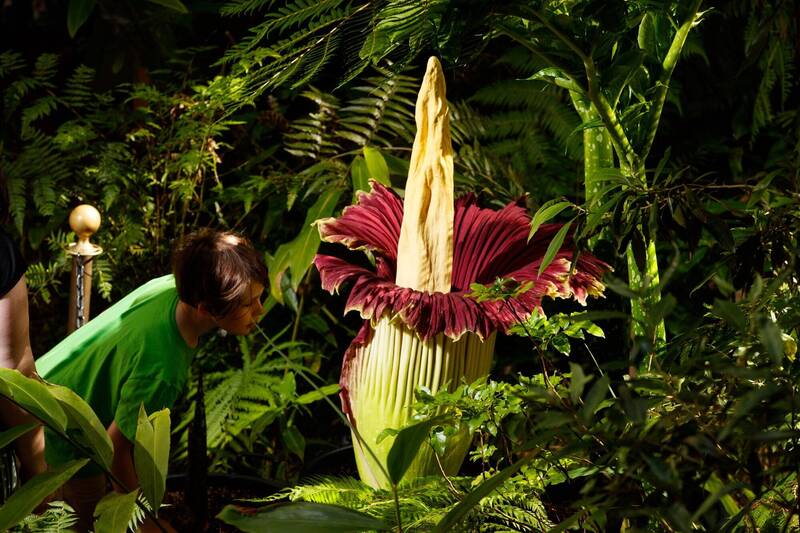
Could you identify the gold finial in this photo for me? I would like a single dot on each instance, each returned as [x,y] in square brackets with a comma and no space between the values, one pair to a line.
[84,221]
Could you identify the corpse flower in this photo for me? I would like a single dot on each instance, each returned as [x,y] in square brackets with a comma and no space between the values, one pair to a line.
[420,327]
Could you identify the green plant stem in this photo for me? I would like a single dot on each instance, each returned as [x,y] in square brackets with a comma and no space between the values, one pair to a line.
[597,148]
[72,442]
[668,67]
[397,508]
[629,160]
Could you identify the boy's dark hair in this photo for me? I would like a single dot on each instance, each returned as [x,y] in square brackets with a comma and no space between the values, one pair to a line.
[215,268]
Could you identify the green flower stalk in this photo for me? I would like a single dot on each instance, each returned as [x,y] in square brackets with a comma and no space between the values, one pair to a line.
[420,327]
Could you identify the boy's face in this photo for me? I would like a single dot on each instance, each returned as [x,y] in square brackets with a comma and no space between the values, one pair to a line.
[242,320]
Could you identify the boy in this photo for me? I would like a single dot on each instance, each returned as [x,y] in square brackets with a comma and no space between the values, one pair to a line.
[139,350]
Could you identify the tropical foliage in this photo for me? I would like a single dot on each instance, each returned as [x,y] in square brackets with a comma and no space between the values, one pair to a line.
[664,134]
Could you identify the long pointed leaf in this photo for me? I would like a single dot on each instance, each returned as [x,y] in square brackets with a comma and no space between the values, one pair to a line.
[78,12]
[33,396]
[298,254]
[10,435]
[114,512]
[376,165]
[300,517]
[80,416]
[554,247]
[151,454]
[405,447]
[545,213]
[24,500]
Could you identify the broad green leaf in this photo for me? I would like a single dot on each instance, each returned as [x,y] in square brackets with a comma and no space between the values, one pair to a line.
[33,396]
[294,440]
[396,165]
[300,517]
[151,454]
[376,165]
[577,382]
[561,344]
[114,512]
[770,336]
[78,13]
[554,247]
[460,511]
[405,447]
[175,5]
[318,394]
[647,35]
[10,435]
[594,398]
[557,77]
[545,213]
[359,174]
[24,500]
[298,254]
[91,431]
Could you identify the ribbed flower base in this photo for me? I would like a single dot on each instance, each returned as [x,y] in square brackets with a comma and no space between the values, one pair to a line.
[381,383]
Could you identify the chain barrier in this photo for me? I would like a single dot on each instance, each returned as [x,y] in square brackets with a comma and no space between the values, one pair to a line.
[79,273]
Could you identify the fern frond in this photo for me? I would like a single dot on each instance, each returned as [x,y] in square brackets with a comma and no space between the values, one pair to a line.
[318,30]
[762,107]
[41,108]
[42,279]
[77,90]
[297,14]
[10,62]
[386,109]
[45,68]
[58,518]
[345,491]
[245,7]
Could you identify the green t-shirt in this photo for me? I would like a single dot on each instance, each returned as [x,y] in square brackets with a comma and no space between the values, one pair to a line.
[131,354]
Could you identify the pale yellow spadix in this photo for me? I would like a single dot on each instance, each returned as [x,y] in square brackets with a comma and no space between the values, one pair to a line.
[425,248]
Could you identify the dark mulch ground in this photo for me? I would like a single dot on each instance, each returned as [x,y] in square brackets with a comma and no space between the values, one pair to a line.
[222,491]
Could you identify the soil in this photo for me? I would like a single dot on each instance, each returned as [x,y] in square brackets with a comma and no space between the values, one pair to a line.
[222,490]
[233,489]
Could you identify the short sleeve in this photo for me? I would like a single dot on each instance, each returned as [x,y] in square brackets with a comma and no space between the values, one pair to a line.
[12,266]
[155,394]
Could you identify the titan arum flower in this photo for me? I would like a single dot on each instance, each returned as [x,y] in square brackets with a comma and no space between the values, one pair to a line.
[421,328]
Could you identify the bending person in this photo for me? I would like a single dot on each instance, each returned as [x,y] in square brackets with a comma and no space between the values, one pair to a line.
[138,352]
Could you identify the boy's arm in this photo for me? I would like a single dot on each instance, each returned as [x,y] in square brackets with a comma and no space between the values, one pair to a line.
[15,352]
[122,464]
